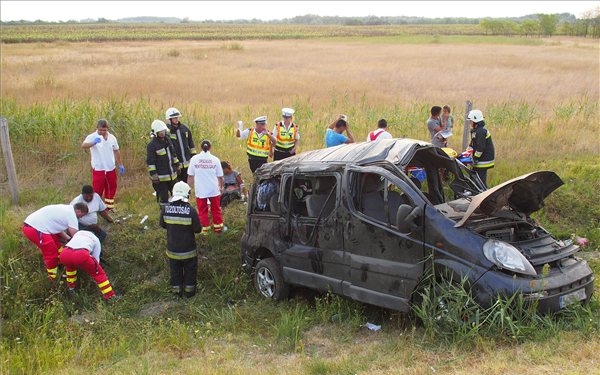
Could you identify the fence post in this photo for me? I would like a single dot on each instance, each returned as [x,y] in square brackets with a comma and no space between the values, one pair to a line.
[466,130]
[9,161]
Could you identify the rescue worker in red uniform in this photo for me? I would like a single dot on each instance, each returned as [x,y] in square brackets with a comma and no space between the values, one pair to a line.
[482,145]
[162,161]
[83,252]
[181,221]
[286,135]
[49,225]
[182,140]
[259,145]
[106,156]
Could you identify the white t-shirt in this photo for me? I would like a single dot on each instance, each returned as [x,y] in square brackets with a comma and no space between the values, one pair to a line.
[95,206]
[383,134]
[246,132]
[275,131]
[206,169]
[53,219]
[103,153]
[84,239]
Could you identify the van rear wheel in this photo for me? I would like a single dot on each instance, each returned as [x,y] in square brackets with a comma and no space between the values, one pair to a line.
[268,279]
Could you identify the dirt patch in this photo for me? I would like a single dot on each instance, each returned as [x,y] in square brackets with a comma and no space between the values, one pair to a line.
[156,308]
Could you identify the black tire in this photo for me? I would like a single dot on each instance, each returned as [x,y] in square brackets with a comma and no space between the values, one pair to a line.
[268,280]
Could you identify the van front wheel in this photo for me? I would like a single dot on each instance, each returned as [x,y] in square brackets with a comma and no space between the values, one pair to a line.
[269,280]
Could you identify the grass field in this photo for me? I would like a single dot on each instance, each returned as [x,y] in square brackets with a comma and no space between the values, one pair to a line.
[540,100]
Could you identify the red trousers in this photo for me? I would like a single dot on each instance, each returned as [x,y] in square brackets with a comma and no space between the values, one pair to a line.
[81,258]
[49,244]
[215,210]
[105,184]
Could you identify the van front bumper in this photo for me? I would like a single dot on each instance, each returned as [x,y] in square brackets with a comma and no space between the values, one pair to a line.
[549,293]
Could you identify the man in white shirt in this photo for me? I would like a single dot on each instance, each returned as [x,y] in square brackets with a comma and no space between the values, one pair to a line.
[49,225]
[105,154]
[95,206]
[83,251]
[380,133]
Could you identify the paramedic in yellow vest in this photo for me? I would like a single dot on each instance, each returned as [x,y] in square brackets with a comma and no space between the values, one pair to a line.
[287,135]
[259,144]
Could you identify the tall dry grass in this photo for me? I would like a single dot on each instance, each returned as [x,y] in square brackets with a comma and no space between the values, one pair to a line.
[538,99]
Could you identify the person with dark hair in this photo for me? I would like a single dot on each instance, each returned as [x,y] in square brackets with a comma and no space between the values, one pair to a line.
[233,185]
[181,221]
[259,144]
[205,176]
[481,145]
[182,140]
[380,133]
[434,125]
[50,225]
[105,154]
[163,163]
[95,206]
[334,136]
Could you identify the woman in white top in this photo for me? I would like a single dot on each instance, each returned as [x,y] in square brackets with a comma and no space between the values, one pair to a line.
[205,176]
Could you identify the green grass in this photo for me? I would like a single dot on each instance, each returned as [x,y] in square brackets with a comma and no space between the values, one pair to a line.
[44,329]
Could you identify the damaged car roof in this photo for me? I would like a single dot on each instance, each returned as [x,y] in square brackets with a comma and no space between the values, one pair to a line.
[397,151]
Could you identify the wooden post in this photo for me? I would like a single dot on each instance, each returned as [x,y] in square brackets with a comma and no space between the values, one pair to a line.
[466,129]
[9,161]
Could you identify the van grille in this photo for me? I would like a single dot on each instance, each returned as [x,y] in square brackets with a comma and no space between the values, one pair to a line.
[506,235]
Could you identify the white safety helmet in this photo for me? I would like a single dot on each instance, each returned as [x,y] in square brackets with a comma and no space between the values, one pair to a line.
[158,126]
[181,191]
[475,115]
[172,113]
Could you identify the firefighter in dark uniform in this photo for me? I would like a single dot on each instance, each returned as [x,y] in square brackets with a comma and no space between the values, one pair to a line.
[182,222]
[482,145]
[163,164]
[182,140]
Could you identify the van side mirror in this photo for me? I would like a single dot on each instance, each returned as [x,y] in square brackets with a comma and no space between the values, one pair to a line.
[406,216]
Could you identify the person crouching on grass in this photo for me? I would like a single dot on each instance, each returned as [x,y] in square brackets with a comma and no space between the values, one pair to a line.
[181,221]
[50,225]
[205,175]
[83,252]
[233,185]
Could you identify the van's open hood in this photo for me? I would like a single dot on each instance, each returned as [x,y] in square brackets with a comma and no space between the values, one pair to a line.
[524,194]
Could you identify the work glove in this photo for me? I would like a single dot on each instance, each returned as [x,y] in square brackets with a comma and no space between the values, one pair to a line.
[97,140]
[155,179]
[121,169]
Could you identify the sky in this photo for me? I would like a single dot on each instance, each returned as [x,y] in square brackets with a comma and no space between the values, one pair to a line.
[11,10]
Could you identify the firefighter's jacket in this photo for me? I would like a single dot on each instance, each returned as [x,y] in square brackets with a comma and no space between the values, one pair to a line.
[181,221]
[183,143]
[161,159]
[483,147]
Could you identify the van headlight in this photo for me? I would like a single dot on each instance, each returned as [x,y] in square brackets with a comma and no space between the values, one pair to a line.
[507,257]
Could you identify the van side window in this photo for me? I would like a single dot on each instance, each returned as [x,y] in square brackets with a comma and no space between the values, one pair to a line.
[311,196]
[378,198]
[266,196]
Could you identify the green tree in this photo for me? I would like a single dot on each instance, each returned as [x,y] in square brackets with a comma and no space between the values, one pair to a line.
[548,23]
[530,28]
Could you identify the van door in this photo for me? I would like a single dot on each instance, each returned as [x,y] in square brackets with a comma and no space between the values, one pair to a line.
[314,257]
[385,259]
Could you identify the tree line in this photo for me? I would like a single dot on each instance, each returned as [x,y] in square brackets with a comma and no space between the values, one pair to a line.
[534,25]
